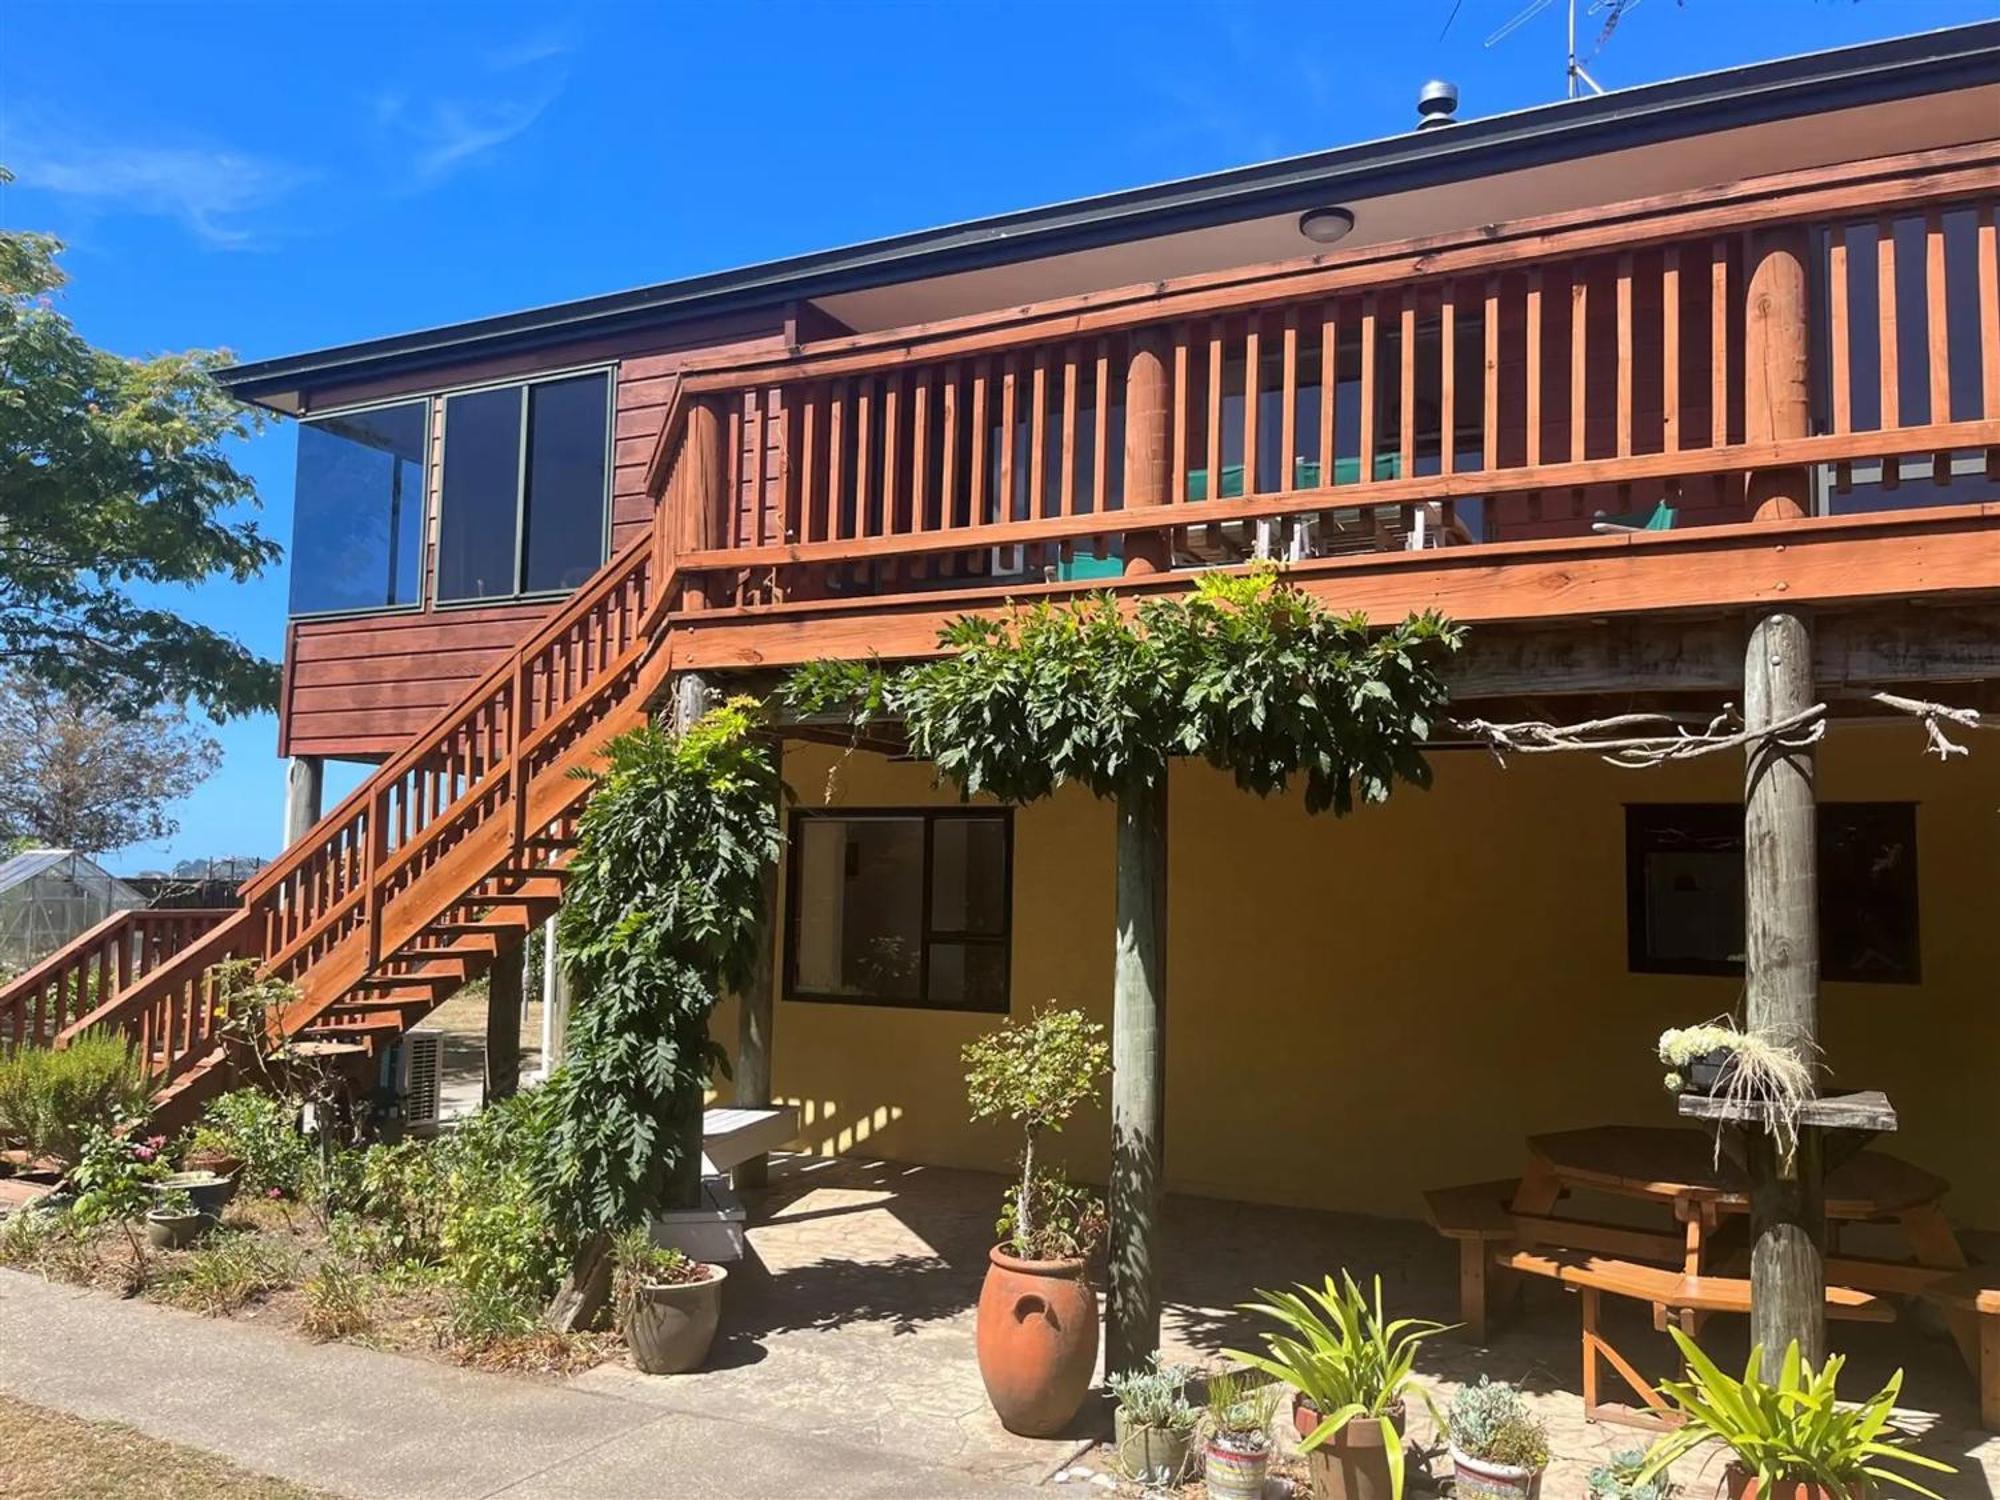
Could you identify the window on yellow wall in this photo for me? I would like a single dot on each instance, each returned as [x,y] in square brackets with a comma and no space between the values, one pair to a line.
[891,907]
[1684,889]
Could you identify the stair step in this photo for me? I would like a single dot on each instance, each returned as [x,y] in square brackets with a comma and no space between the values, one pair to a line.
[506,924]
[326,1027]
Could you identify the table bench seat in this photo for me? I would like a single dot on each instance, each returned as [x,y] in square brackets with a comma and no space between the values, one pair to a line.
[1976,1292]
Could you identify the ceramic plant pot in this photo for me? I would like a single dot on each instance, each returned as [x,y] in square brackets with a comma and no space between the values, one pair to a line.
[1705,1072]
[1479,1480]
[1353,1464]
[172,1231]
[670,1327]
[1037,1339]
[209,1193]
[1152,1456]
[1232,1473]
[1741,1484]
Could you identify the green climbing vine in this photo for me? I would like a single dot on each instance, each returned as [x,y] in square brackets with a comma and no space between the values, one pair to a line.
[1247,672]
[661,914]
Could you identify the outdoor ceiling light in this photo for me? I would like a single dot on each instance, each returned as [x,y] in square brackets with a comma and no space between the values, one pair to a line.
[1325,226]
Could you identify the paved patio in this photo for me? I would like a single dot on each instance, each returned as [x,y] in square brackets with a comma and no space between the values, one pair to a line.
[854,1318]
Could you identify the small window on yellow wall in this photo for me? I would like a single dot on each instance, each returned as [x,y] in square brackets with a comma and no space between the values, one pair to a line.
[900,908]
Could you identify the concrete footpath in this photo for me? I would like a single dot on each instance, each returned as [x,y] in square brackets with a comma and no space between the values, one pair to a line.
[371,1425]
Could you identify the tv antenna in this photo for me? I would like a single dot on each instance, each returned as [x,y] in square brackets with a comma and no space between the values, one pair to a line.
[1574,72]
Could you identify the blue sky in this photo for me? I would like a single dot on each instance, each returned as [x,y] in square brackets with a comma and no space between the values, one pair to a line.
[273,178]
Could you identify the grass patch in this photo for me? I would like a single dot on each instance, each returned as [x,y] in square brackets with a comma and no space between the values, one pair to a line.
[48,1455]
[224,1274]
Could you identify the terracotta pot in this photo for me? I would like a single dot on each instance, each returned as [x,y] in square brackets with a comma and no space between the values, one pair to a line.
[1353,1464]
[1231,1473]
[1037,1341]
[1476,1479]
[216,1163]
[670,1327]
[1742,1485]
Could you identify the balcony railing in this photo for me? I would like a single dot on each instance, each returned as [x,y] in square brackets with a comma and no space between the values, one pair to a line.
[1618,370]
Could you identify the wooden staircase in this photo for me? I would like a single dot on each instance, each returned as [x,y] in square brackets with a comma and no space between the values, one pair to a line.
[432,869]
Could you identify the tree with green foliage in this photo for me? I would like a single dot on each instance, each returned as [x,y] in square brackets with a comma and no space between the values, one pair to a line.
[1245,671]
[113,473]
[660,914]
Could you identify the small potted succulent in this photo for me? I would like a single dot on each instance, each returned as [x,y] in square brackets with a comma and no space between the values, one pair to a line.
[1036,1333]
[1236,1456]
[1792,1439]
[1618,1478]
[1697,1056]
[1350,1369]
[1498,1447]
[668,1304]
[173,1221]
[1154,1423]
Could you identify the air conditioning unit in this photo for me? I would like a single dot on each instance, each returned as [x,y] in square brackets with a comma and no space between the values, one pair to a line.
[413,1076]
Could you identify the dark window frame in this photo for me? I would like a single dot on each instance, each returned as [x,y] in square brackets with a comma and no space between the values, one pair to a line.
[929,817]
[1642,818]
[422,599]
[522,385]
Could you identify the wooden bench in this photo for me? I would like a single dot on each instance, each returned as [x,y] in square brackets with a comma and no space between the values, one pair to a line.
[1975,1293]
[1476,1216]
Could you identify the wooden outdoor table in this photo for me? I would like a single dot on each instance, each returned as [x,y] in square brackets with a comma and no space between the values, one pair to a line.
[1678,1167]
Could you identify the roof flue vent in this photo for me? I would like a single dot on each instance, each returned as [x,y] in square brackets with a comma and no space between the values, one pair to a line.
[1437,104]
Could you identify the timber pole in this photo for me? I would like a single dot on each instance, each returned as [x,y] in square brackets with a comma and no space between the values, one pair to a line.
[305,792]
[700,494]
[1147,429]
[504,982]
[1780,853]
[753,1028]
[1138,1079]
[692,697]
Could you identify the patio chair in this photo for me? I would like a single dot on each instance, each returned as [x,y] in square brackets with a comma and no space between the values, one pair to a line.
[1660,518]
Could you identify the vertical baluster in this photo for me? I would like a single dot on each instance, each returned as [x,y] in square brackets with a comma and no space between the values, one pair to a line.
[1253,372]
[1067,490]
[1406,408]
[892,414]
[1579,363]
[1670,349]
[1623,435]
[1489,396]
[1719,352]
[1216,330]
[920,449]
[1839,338]
[1885,295]
[756,433]
[1532,445]
[1183,418]
[806,463]
[836,463]
[1288,397]
[1938,331]
[1009,440]
[1989,326]
[1367,474]
[1447,375]
[948,447]
[1329,390]
[864,457]
[975,488]
[1100,465]
[1037,436]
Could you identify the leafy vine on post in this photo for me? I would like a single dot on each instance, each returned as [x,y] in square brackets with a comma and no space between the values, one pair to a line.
[1247,672]
[661,913]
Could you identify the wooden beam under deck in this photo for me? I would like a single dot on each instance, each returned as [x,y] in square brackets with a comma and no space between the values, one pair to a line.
[1942,554]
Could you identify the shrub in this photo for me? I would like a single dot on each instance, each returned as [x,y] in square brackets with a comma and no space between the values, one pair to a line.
[336,1298]
[224,1274]
[1037,1074]
[51,1098]
[262,1129]
[496,1231]
[484,1312]
[1491,1421]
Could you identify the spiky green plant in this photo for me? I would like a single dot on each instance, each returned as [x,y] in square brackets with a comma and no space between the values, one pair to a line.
[1797,1429]
[1344,1356]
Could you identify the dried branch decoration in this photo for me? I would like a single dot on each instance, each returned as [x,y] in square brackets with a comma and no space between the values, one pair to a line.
[1635,741]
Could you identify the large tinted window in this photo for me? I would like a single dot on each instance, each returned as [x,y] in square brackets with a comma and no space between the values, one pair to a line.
[482,495]
[563,520]
[523,517]
[358,511]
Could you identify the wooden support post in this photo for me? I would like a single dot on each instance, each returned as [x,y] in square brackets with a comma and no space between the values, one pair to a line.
[1781,901]
[1148,426]
[692,697]
[753,1029]
[503,1024]
[555,1000]
[700,498]
[1138,1079]
[1777,402]
[305,792]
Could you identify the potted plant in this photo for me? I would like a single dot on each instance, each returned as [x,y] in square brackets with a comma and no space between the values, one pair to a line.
[212,1149]
[1792,1440]
[1236,1455]
[1746,1067]
[173,1221]
[1037,1322]
[1498,1447]
[1618,1478]
[1350,1367]
[1696,1056]
[1154,1422]
[209,1193]
[668,1305]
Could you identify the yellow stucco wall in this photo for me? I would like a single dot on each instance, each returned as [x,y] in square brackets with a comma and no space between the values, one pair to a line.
[1365,1007]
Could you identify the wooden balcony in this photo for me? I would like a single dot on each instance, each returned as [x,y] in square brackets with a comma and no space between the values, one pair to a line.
[1785,387]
